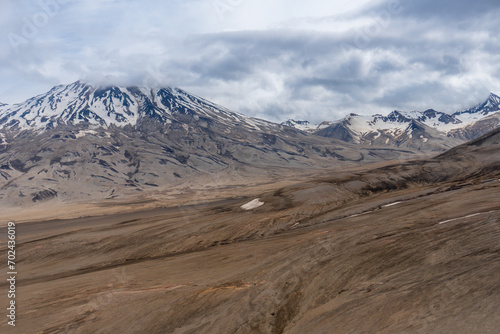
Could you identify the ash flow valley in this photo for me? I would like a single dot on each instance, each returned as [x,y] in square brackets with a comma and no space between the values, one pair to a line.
[146,210]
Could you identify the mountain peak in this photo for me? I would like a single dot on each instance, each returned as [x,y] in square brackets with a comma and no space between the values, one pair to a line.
[494,98]
[300,125]
[106,105]
[292,121]
[491,105]
[396,117]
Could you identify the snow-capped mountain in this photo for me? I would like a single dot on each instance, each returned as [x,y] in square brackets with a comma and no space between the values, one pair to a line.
[80,142]
[478,120]
[395,129]
[300,125]
[427,130]
[460,119]
[491,105]
[477,128]
[81,103]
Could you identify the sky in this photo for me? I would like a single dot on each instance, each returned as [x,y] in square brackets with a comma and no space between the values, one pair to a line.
[272,59]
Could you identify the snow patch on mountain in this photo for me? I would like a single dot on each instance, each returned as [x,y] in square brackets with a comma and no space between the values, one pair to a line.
[397,122]
[300,125]
[80,102]
[491,105]
[394,122]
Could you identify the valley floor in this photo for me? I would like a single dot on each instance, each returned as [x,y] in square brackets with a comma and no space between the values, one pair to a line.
[317,257]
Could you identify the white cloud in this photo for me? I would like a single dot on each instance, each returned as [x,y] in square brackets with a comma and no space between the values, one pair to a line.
[276,59]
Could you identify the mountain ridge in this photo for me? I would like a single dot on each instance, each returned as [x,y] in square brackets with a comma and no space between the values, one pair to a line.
[425,130]
[112,105]
[78,142]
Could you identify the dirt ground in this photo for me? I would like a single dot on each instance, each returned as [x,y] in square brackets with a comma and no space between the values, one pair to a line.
[401,248]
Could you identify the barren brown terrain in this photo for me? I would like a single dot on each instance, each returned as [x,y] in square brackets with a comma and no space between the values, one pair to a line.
[408,247]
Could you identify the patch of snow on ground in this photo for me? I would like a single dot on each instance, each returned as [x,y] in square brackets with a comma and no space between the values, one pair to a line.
[469,216]
[391,204]
[450,220]
[252,204]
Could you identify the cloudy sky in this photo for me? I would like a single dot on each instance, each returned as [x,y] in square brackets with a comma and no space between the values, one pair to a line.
[274,59]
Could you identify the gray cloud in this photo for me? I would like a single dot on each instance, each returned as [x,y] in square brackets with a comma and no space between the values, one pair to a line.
[378,56]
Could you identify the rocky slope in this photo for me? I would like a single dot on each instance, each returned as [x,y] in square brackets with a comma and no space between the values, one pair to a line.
[395,130]
[427,130]
[300,125]
[81,142]
[407,247]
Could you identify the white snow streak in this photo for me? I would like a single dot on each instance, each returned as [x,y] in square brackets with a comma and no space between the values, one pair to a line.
[391,204]
[465,217]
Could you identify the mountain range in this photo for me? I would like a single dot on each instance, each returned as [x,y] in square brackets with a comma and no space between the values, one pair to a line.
[276,241]
[81,103]
[399,247]
[428,130]
[81,142]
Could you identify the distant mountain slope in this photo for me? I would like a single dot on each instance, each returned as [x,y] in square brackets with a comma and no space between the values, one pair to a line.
[486,146]
[488,107]
[300,125]
[80,142]
[427,130]
[104,106]
[477,128]
[396,130]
